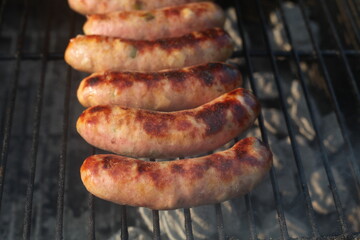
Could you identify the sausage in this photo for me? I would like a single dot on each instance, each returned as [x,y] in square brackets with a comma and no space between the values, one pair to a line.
[180,183]
[144,133]
[163,91]
[106,6]
[95,53]
[167,22]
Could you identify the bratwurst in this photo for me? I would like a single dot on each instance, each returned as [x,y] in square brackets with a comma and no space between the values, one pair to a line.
[168,90]
[106,6]
[95,53]
[144,133]
[167,22]
[181,183]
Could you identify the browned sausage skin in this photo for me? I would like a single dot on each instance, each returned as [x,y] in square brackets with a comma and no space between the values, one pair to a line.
[95,53]
[106,6]
[144,133]
[163,91]
[180,183]
[167,22]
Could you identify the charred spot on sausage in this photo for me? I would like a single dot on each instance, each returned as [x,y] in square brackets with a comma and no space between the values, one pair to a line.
[105,109]
[214,117]
[92,81]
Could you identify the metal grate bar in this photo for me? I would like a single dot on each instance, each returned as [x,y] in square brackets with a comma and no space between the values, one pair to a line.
[273,177]
[341,50]
[219,222]
[188,225]
[62,159]
[294,145]
[356,7]
[350,13]
[340,118]
[13,92]
[156,225]
[91,205]
[36,132]
[2,7]
[124,226]
[314,123]
[91,221]
[156,220]
[250,214]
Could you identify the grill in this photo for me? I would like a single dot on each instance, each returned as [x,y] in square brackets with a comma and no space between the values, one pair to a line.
[41,194]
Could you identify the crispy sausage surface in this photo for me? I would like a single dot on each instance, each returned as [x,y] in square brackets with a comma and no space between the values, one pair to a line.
[181,183]
[144,133]
[169,90]
[106,6]
[95,53]
[167,22]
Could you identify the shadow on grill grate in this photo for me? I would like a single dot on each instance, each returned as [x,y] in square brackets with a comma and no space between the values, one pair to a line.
[299,57]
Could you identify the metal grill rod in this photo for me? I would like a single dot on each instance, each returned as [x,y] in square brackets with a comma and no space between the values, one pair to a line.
[219,222]
[124,226]
[9,114]
[156,225]
[91,220]
[340,117]
[294,145]
[341,50]
[188,225]
[249,210]
[64,140]
[250,214]
[356,7]
[350,13]
[314,123]
[2,7]
[36,130]
[273,177]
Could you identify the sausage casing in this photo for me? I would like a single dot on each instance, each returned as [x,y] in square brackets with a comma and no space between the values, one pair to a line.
[163,91]
[106,6]
[95,53]
[144,133]
[173,21]
[181,183]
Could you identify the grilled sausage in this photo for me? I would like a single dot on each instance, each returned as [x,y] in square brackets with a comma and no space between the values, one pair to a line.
[180,183]
[165,90]
[106,6]
[167,22]
[144,133]
[99,53]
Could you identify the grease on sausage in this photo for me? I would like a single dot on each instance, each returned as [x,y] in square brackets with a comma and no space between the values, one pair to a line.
[165,90]
[106,6]
[180,183]
[95,53]
[144,133]
[173,21]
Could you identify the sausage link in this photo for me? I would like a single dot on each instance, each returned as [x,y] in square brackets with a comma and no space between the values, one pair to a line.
[167,22]
[180,183]
[95,53]
[105,6]
[163,91]
[144,133]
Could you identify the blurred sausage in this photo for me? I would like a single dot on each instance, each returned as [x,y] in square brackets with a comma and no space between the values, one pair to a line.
[180,183]
[99,53]
[144,133]
[167,22]
[106,6]
[168,90]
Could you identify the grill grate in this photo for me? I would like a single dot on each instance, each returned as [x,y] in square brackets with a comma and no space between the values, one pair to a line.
[23,168]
